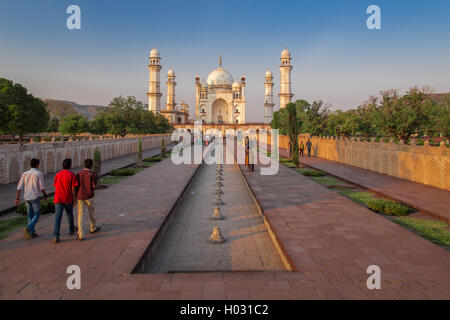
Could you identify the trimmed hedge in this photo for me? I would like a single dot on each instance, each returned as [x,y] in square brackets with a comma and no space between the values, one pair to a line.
[122,172]
[156,159]
[47,206]
[313,173]
[388,207]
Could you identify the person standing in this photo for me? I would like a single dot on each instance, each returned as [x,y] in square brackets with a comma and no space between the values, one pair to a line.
[32,184]
[87,181]
[302,148]
[252,153]
[65,194]
[309,145]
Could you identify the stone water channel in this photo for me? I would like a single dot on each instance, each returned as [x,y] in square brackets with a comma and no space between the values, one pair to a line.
[185,245]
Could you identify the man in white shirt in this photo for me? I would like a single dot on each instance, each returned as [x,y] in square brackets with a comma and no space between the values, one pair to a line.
[32,184]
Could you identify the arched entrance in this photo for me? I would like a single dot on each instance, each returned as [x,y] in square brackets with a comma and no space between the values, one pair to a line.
[220,111]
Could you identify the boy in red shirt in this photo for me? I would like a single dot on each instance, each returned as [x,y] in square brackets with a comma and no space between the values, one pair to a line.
[65,194]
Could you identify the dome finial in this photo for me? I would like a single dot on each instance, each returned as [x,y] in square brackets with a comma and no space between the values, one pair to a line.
[220,61]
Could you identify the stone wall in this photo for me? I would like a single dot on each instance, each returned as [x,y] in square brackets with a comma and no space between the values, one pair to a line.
[423,164]
[15,159]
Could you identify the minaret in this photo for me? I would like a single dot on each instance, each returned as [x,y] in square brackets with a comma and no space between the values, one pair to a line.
[197,98]
[285,79]
[268,98]
[170,106]
[243,84]
[154,85]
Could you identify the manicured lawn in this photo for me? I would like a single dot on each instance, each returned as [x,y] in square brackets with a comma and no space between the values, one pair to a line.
[358,197]
[310,172]
[328,181]
[8,225]
[154,159]
[384,206]
[435,231]
[109,180]
[125,172]
[287,162]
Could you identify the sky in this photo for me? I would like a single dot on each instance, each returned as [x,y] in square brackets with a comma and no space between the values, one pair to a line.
[336,58]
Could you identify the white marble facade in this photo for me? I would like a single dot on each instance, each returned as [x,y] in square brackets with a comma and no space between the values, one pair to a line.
[219,99]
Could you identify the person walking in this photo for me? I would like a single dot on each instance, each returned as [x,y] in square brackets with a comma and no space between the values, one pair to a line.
[87,182]
[32,184]
[65,194]
[308,146]
[247,152]
[302,148]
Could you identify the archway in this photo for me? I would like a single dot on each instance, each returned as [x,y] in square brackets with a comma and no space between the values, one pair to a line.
[220,111]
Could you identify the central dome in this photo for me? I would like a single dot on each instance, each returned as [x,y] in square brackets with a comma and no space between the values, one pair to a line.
[220,77]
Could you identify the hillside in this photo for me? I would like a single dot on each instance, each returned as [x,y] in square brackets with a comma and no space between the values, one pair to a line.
[61,108]
[439,97]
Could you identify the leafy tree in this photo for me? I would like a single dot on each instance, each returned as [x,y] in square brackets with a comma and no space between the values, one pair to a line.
[401,117]
[367,119]
[74,125]
[53,125]
[126,115]
[335,123]
[315,116]
[293,132]
[100,125]
[440,119]
[279,121]
[21,112]
[391,115]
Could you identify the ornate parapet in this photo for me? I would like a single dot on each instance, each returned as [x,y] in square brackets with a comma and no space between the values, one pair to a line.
[15,159]
[424,164]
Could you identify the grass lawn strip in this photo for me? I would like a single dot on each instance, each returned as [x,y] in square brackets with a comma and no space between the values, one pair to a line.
[434,231]
[6,226]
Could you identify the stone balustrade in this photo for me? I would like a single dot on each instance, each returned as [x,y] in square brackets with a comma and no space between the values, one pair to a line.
[15,159]
[424,164]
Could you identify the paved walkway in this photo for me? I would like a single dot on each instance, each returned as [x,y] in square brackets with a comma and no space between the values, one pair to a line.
[429,200]
[130,214]
[8,191]
[330,240]
[336,239]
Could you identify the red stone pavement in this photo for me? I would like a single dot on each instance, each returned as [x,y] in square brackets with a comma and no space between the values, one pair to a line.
[330,239]
[427,199]
[328,234]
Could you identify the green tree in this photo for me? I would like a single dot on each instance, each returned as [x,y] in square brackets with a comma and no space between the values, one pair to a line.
[314,118]
[126,115]
[279,121]
[53,125]
[100,124]
[439,119]
[21,112]
[293,132]
[97,162]
[400,117]
[74,125]
[367,114]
